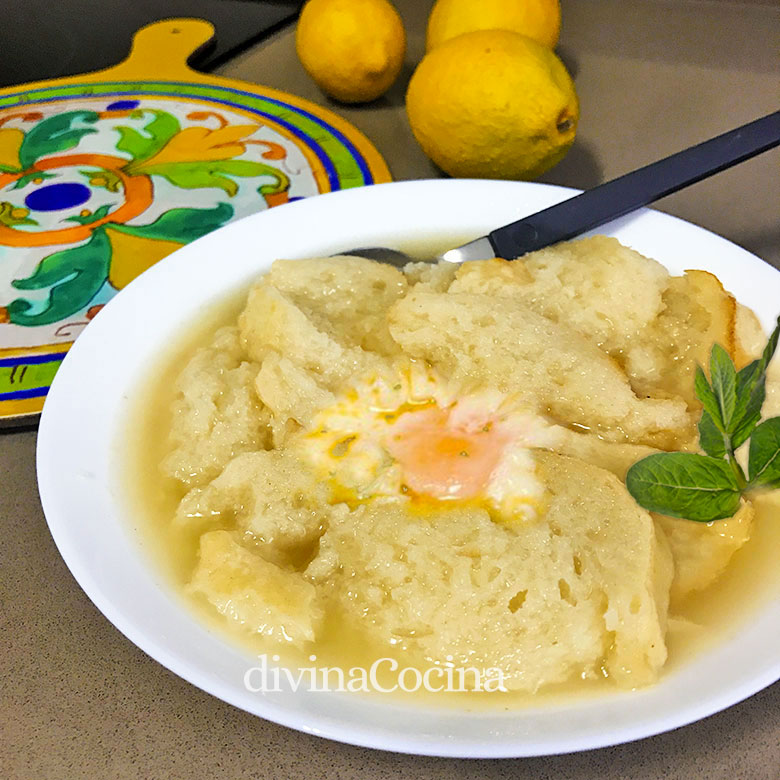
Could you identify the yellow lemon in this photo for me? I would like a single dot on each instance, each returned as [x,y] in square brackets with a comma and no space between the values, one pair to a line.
[538,19]
[353,49]
[493,104]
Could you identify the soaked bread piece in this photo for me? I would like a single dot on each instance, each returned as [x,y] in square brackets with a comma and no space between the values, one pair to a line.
[657,327]
[701,551]
[697,313]
[502,344]
[595,285]
[433,277]
[272,322]
[346,297]
[269,497]
[749,336]
[750,342]
[256,596]
[612,456]
[326,315]
[313,324]
[289,392]
[581,591]
[216,414]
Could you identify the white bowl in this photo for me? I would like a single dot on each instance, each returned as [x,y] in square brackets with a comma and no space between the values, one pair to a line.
[80,456]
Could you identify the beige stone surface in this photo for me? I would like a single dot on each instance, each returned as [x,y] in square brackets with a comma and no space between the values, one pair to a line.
[653,77]
[80,701]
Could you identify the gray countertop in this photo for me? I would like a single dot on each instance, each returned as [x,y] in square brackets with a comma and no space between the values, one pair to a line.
[80,701]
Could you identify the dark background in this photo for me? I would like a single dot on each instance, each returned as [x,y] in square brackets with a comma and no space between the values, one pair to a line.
[48,39]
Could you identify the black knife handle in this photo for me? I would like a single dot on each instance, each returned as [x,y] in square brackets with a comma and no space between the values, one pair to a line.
[629,192]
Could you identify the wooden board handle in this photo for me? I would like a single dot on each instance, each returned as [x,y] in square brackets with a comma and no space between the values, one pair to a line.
[161,50]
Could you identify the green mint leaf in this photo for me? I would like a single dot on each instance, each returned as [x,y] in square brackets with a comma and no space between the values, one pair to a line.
[764,456]
[771,346]
[708,399]
[711,439]
[747,378]
[686,485]
[751,392]
[723,378]
[748,423]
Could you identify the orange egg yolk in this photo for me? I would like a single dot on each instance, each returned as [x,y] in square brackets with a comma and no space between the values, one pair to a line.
[443,460]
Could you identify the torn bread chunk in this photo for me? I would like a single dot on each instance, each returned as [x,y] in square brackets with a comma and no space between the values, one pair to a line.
[216,413]
[581,592]
[254,594]
[701,551]
[596,285]
[275,503]
[656,326]
[502,344]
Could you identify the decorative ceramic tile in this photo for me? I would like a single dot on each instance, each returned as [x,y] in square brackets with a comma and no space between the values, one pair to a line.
[102,176]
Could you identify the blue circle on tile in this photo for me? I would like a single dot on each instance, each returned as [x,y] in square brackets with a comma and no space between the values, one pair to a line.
[55,197]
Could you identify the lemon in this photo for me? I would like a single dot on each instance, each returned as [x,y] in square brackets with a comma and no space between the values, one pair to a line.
[538,19]
[493,104]
[353,49]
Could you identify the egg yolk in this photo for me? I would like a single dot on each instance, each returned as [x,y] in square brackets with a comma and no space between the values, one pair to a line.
[444,459]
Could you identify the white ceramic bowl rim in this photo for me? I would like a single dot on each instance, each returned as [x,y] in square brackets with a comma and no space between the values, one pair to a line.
[79,453]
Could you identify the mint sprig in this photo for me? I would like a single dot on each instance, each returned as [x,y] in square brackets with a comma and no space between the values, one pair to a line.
[764,457]
[709,487]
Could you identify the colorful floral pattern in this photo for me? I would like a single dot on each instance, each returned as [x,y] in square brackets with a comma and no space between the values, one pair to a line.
[100,181]
[109,248]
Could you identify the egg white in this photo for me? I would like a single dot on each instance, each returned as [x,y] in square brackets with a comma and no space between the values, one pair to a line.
[349,442]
